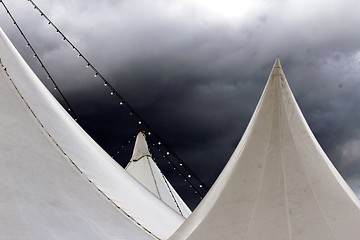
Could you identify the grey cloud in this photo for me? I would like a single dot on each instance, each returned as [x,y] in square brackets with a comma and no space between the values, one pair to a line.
[197,78]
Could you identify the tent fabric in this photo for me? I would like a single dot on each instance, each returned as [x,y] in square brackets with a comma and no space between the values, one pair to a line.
[278,183]
[143,168]
[56,182]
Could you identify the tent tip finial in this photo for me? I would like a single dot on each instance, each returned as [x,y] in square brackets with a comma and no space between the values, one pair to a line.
[277,62]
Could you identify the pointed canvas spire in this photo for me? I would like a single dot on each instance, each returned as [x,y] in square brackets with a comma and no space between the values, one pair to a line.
[141,148]
[143,168]
[278,184]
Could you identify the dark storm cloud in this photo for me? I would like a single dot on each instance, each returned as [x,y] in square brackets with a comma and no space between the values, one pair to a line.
[196,75]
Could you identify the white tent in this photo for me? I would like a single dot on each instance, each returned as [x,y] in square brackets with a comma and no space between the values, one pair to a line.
[143,168]
[55,181]
[278,184]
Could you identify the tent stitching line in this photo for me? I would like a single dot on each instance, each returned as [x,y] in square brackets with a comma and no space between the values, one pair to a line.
[259,187]
[73,163]
[152,173]
[283,108]
[172,194]
[305,173]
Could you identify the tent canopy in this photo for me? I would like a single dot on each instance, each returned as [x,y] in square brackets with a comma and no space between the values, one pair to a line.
[278,183]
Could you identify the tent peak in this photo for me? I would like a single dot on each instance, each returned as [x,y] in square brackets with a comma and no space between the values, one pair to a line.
[277,63]
[141,148]
[278,183]
[144,169]
[277,74]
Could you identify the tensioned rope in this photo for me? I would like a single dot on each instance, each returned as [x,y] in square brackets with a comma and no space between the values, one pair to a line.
[122,101]
[126,143]
[187,178]
[172,194]
[68,157]
[56,87]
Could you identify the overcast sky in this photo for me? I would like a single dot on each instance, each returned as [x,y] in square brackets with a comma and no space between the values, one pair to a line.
[195,70]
